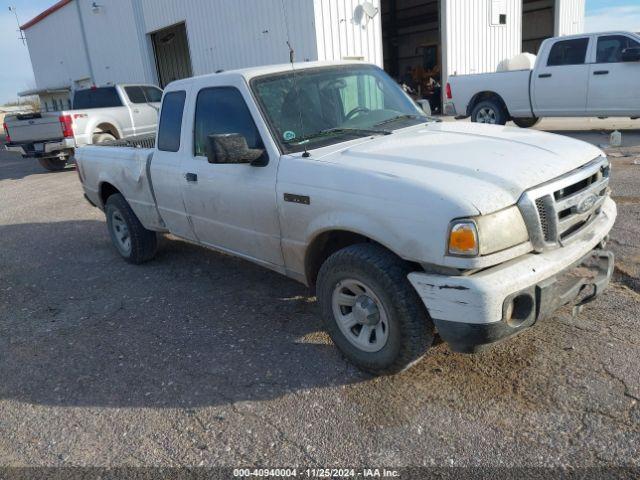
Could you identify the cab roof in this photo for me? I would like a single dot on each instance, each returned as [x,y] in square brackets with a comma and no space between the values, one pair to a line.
[252,72]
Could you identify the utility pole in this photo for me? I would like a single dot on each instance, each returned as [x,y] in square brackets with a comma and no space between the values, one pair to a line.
[20,32]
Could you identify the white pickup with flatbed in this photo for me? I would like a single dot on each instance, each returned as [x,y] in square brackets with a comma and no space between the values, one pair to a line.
[405,227]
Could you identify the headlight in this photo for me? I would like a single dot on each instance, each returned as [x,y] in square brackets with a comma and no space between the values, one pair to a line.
[487,234]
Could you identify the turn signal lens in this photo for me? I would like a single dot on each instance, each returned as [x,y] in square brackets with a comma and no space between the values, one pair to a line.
[463,239]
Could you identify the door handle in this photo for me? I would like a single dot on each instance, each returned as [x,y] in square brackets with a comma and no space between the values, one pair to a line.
[601,72]
[544,75]
[191,177]
[135,110]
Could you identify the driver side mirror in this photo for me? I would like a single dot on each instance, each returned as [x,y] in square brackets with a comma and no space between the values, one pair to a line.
[233,148]
[631,54]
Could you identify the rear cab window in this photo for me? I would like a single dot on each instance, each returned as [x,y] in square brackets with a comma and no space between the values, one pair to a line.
[170,128]
[568,52]
[104,97]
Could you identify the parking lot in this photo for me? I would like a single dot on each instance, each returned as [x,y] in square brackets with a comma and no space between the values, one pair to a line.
[198,358]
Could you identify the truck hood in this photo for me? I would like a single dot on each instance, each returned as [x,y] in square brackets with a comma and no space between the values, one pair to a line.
[488,166]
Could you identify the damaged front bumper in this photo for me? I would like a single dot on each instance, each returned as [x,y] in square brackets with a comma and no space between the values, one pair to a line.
[471,312]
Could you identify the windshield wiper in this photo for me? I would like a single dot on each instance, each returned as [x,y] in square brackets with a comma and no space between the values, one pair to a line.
[338,130]
[407,117]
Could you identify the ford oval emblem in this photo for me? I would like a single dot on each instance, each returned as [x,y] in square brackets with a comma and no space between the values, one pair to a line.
[587,203]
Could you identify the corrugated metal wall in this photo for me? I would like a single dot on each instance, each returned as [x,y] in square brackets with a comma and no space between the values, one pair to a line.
[344,31]
[228,34]
[115,52]
[471,44]
[570,16]
[55,47]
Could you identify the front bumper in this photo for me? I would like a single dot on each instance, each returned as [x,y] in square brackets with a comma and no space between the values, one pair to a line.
[473,311]
[41,149]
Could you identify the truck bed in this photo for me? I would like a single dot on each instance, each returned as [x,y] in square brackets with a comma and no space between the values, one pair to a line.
[511,86]
[125,163]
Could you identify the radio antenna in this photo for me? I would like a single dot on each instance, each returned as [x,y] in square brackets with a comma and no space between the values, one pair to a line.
[20,32]
[295,79]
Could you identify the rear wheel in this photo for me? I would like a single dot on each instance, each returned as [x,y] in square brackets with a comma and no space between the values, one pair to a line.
[134,243]
[53,164]
[526,122]
[489,111]
[102,137]
[371,311]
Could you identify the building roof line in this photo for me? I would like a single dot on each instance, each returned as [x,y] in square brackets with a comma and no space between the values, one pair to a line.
[45,14]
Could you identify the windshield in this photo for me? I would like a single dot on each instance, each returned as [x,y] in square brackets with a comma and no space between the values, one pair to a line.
[333,104]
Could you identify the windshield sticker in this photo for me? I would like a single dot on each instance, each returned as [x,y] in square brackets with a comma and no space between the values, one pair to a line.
[289,135]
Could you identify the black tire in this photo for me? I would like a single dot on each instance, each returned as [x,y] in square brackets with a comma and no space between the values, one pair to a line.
[526,122]
[143,243]
[53,164]
[410,332]
[101,138]
[489,111]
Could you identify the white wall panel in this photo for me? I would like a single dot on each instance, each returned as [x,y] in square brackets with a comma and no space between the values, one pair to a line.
[570,17]
[228,34]
[342,33]
[114,48]
[471,44]
[56,49]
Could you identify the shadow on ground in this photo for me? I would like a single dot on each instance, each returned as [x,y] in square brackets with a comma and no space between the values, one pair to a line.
[79,326]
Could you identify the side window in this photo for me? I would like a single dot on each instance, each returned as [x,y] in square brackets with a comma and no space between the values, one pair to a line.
[170,128]
[568,52]
[153,94]
[135,94]
[610,48]
[222,110]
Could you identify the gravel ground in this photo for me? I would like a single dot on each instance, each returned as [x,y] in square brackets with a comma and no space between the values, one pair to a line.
[201,359]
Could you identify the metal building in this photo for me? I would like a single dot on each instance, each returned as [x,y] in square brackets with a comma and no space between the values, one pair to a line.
[78,43]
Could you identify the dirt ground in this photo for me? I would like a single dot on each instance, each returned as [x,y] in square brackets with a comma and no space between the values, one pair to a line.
[201,359]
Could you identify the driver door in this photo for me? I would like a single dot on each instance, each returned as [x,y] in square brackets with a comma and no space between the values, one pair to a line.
[232,206]
[614,85]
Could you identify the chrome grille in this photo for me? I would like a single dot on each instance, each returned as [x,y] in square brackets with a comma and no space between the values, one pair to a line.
[557,211]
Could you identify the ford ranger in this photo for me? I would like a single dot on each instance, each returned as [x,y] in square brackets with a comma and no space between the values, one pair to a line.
[99,114]
[587,75]
[405,227]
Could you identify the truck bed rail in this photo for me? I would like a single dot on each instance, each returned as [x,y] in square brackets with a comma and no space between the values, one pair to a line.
[138,141]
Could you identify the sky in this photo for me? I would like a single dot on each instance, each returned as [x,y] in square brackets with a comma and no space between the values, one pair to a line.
[16,74]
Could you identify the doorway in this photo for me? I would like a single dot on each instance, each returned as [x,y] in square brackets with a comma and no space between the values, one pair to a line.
[171,50]
[412,51]
[538,23]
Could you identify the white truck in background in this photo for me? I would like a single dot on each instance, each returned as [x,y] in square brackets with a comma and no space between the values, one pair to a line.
[587,75]
[99,114]
[403,225]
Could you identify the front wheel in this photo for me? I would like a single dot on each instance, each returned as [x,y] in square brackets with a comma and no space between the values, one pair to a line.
[134,243]
[53,164]
[489,111]
[526,122]
[371,311]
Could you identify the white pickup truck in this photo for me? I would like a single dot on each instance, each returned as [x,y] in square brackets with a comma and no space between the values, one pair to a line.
[98,115]
[403,225]
[589,75]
